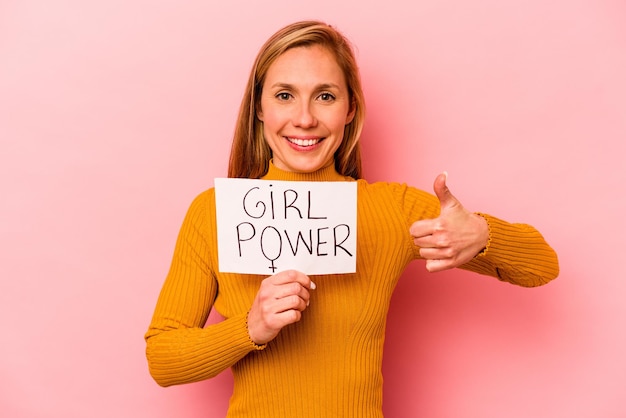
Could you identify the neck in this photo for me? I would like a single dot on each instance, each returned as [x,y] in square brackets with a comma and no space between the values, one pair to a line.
[323,174]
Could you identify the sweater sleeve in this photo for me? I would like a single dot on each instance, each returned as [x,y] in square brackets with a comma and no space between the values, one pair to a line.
[516,253]
[179,348]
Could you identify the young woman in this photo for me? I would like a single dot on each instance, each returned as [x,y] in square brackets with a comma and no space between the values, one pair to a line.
[304,346]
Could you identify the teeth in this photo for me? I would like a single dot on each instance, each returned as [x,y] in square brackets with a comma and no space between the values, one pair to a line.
[303,142]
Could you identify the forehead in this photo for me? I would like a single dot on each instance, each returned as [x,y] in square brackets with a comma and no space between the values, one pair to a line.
[306,64]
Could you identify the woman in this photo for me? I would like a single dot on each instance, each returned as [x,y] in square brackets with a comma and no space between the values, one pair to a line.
[307,348]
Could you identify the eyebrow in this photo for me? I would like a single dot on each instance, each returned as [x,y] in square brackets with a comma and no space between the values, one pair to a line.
[322,86]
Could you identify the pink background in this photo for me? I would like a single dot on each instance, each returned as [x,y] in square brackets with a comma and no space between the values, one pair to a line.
[114,115]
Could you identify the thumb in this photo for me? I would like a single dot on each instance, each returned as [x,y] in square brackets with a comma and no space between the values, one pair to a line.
[445,196]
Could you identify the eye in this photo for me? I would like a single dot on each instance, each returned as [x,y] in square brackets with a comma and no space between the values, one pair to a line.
[283,96]
[326,97]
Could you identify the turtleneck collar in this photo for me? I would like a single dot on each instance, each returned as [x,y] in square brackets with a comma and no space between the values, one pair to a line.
[324,174]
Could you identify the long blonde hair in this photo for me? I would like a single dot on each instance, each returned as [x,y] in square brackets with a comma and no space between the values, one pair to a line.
[250,154]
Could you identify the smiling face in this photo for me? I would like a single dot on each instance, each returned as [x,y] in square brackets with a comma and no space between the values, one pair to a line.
[305,105]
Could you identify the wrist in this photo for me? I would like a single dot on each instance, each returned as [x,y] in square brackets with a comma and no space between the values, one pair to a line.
[485,234]
[255,345]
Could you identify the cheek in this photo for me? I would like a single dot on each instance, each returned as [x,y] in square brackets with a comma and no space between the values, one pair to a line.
[271,120]
[340,121]
[271,128]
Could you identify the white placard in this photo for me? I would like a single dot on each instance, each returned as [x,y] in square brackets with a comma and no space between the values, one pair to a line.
[267,226]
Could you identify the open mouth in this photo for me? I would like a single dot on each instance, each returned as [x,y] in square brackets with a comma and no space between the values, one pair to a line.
[304,142]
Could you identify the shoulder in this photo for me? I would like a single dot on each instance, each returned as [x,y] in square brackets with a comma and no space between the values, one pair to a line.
[409,199]
[202,205]
[205,197]
[399,190]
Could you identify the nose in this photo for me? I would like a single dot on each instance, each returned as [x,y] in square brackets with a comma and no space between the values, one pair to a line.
[304,116]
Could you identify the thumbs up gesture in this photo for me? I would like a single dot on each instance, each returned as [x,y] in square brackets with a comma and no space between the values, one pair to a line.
[453,238]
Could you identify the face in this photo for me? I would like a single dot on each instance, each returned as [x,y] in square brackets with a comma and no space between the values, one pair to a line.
[305,106]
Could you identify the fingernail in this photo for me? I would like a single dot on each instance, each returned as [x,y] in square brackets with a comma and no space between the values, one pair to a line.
[313,286]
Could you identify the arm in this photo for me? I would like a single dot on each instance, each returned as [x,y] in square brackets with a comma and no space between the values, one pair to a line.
[179,350]
[516,253]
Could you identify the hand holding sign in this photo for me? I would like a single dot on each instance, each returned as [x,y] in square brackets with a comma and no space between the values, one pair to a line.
[453,238]
[278,303]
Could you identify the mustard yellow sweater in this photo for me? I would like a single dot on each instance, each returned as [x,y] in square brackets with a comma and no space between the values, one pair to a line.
[329,363]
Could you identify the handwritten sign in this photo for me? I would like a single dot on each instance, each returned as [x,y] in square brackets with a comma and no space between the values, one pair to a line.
[266,226]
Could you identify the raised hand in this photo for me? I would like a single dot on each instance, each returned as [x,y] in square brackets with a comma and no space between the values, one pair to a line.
[278,303]
[453,238]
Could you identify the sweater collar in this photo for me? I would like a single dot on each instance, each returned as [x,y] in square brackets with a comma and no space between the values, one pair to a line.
[324,174]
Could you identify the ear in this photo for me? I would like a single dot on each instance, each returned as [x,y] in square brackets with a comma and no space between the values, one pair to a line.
[351,112]
[258,109]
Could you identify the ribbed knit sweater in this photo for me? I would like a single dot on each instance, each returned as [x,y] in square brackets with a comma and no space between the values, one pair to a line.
[329,363]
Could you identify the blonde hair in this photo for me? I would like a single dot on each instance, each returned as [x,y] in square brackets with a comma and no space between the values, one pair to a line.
[250,154]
